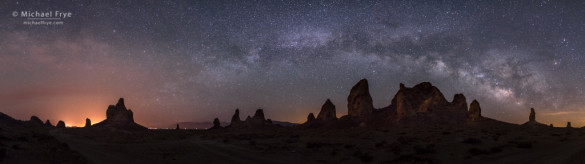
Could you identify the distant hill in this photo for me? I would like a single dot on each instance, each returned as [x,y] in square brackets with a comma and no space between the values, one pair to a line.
[206,125]
[286,124]
[7,120]
[196,125]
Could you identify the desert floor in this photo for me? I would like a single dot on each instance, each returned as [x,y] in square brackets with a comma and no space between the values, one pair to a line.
[403,144]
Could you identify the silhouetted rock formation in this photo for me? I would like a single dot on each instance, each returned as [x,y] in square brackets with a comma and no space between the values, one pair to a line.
[421,98]
[532,116]
[118,117]
[48,123]
[7,120]
[216,124]
[259,115]
[569,125]
[474,111]
[258,120]
[236,118]
[60,124]
[310,118]
[421,104]
[359,101]
[532,119]
[35,121]
[119,113]
[87,123]
[459,102]
[327,111]
[326,118]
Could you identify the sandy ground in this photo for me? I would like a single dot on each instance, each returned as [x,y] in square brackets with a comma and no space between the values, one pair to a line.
[487,144]
[188,150]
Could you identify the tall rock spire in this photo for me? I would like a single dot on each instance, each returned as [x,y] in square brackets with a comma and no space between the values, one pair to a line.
[359,101]
[474,110]
[532,116]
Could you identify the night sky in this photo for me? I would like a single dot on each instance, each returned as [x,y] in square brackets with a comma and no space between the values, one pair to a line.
[176,61]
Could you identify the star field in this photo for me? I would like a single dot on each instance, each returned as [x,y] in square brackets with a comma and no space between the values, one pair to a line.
[179,61]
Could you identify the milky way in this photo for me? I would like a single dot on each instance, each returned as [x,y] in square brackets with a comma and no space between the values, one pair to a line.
[192,61]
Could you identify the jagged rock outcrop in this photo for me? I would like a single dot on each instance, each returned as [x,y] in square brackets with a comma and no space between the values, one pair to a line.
[60,124]
[310,118]
[119,113]
[422,104]
[7,120]
[118,117]
[256,121]
[327,111]
[327,117]
[259,115]
[35,121]
[87,123]
[48,123]
[474,111]
[359,101]
[421,98]
[216,124]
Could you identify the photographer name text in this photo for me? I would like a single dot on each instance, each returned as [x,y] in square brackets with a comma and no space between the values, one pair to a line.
[44,14]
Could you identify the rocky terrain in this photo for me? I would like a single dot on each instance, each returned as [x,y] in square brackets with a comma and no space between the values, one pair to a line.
[418,126]
[118,117]
[31,142]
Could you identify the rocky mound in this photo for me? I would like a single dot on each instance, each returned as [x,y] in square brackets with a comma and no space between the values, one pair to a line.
[216,124]
[359,101]
[7,120]
[60,124]
[310,118]
[34,122]
[118,117]
[48,123]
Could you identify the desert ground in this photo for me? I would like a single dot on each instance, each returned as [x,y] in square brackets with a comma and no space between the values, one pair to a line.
[499,143]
